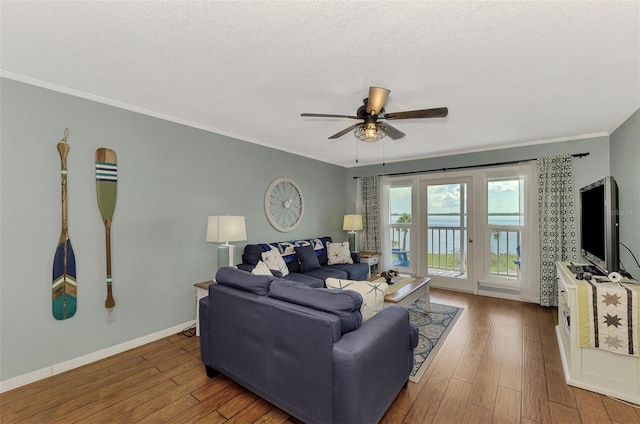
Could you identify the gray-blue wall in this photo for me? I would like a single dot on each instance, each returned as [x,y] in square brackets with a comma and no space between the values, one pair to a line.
[625,167]
[171,177]
[616,155]
[586,170]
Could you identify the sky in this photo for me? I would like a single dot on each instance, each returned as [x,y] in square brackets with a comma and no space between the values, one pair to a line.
[503,197]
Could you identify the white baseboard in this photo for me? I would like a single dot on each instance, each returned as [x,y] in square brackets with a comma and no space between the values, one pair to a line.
[54,369]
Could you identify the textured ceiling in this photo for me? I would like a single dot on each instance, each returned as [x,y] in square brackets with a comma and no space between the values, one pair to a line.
[510,73]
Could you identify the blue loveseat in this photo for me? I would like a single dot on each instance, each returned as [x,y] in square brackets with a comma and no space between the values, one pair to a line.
[306,350]
[299,269]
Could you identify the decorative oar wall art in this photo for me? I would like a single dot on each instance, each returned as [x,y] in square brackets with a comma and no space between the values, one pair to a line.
[64,286]
[107,189]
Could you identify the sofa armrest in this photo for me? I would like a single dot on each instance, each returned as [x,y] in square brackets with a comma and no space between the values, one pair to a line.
[371,365]
[356,257]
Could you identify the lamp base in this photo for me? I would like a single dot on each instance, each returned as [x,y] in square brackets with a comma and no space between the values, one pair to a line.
[226,255]
[352,241]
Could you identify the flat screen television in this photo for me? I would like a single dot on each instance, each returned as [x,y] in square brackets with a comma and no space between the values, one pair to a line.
[599,225]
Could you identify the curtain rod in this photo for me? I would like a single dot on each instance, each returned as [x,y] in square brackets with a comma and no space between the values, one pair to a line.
[513,162]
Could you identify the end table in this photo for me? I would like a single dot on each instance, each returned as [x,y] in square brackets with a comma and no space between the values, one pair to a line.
[202,290]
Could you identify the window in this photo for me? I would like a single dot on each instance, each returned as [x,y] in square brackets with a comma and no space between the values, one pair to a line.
[400,221]
[505,226]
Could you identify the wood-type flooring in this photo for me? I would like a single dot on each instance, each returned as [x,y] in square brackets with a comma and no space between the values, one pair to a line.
[499,364]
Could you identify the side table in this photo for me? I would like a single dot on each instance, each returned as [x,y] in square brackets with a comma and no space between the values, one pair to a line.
[202,290]
[371,258]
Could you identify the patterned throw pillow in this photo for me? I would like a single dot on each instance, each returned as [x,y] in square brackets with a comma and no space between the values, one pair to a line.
[274,260]
[372,294]
[339,253]
[261,269]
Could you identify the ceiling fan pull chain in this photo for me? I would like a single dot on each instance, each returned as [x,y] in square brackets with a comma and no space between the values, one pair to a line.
[356,151]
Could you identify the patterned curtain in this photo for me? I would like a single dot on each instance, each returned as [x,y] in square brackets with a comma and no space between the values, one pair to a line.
[370,214]
[557,220]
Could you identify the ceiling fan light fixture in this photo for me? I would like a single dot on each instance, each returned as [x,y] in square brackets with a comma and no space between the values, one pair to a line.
[369,132]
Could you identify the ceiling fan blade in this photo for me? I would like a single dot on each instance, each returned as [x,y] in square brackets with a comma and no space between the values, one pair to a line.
[344,131]
[324,115]
[392,132]
[439,112]
[377,97]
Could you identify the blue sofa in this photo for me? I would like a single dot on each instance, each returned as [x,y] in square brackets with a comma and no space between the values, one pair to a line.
[306,350]
[297,272]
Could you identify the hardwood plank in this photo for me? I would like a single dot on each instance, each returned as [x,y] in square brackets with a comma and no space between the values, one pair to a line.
[477,414]
[562,414]
[485,382]
[470,360]
[274,416]
[453,406]
[511,365]
[46,394]
[133,408]
[207,407]
[168,412]
[535,400]
[252,412]
[621,411]
[530,329]
[591,407]
[508,406]
[557,388]
[237,404]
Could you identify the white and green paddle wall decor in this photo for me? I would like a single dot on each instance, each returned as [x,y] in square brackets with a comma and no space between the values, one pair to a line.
[107,189]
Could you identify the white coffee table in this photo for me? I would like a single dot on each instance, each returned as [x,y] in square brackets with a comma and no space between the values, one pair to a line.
[409,293]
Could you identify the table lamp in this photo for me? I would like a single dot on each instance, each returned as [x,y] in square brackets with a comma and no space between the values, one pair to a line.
[223,229]
[352,223]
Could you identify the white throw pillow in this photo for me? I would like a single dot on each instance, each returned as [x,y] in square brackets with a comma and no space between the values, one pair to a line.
[339,253]
[261,269]
[372,294]
[273,260]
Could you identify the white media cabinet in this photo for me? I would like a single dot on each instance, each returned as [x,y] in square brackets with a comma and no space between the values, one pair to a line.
[591,368]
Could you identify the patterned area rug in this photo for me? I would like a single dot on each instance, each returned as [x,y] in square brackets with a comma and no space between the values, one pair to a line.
[434,327]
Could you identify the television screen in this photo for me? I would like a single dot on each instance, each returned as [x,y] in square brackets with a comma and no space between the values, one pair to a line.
[599,224]
[593,231]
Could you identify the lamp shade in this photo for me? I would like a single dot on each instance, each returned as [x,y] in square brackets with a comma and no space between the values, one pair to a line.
[223,229]
[352,222]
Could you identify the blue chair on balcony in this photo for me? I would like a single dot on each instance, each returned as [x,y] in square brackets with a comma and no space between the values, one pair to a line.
[517,261]
[402,257]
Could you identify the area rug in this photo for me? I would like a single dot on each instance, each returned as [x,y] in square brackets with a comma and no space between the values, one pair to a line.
[434,327]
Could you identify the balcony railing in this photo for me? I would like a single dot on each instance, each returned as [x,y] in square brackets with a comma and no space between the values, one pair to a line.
[446,251]
[505,251]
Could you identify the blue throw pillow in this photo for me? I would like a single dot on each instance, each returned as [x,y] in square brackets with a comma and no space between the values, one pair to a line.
[307,258]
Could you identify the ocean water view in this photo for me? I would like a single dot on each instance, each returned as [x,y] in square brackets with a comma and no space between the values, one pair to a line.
[446,239]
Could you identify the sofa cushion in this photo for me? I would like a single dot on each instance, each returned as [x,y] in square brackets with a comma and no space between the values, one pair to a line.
[355,271]
[307,279]
[274,260]
[372,294]
[261,269]
[307,258]
[347,308]
[325,272]
[244,280]
[339,253]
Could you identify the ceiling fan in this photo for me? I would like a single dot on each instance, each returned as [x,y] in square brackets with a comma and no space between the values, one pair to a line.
[372,111]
